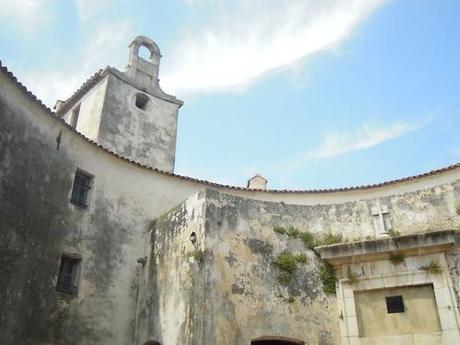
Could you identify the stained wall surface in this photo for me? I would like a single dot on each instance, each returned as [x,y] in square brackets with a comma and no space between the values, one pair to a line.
[172,294]
[90,108]
[254,299]
[420,314]
[38,224]
[246,296]
[148,135]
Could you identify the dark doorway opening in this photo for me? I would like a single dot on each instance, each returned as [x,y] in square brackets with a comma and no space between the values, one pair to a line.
[276,342]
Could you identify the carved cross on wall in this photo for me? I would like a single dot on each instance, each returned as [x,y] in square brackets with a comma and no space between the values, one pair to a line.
[381,219]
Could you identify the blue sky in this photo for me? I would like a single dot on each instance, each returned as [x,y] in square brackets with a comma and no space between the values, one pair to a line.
[309,93]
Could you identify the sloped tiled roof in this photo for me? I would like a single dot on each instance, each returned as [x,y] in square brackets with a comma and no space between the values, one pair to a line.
[87,85]
[97,76]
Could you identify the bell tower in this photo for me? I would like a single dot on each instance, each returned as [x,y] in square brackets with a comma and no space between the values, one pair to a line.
[127,112]
[143,71]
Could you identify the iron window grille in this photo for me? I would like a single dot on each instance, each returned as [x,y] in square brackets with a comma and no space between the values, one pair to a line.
[81,187]
[67,275]
[395,304]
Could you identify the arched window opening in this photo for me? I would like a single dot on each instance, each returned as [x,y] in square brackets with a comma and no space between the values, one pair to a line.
[144,53]
[141,101]
[152,342]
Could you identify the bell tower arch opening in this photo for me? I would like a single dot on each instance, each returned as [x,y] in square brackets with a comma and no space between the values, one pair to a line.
[144,62]
[145,53]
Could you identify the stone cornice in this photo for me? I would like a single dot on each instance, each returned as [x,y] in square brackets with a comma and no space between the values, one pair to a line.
[383,248]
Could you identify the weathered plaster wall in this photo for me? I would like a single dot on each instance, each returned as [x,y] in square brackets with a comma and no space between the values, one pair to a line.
[146,136]
[453,264]
[108,115]
[91,108]
[242,246]
[414,211]
[35,224]
[240,274]
[420,316]
[38,224]
[172,282]
[382,274]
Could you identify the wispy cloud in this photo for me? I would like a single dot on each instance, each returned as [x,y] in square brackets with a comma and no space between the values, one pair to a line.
[26,15]
[88,8]
[338,143]
[341,142]
[247,39]
[102,48]
[334,143]
[239,42]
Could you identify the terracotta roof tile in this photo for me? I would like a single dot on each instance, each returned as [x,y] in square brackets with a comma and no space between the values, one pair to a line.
[88,84]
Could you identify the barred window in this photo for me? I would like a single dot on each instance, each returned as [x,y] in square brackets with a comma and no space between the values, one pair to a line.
[67,276]
[81,187]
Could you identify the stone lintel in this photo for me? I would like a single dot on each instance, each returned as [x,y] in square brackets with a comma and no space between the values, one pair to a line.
[380,249]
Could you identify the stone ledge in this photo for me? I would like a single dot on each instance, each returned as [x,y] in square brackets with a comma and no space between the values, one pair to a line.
[154,91]
[380,249]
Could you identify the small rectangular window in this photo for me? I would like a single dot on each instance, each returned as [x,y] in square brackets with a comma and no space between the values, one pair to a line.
[74,116]
[395,304]
[67,276]
[81,187]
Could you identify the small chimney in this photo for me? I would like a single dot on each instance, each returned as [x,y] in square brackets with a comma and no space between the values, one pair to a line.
[257,182]
[59,105]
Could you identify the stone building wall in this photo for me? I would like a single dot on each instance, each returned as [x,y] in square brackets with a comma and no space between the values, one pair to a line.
[148,136]
[245,298]
[38,224]
[172,294]
[89,108]
[254,301]
[243,247]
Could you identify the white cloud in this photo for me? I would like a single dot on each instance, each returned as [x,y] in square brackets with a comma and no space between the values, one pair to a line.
[88,8]
[24,15]
[247,39]
[103,46]
[241,42]
[339,143]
